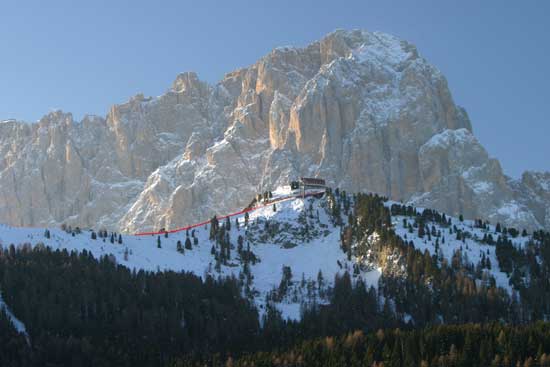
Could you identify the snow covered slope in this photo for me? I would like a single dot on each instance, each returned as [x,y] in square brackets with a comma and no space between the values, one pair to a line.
[471,248]
[297,236]
[305,254]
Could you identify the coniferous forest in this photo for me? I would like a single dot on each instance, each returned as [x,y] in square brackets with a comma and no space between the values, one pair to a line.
[83,311]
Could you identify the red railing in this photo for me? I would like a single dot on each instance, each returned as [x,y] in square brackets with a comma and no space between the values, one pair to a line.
[271,202]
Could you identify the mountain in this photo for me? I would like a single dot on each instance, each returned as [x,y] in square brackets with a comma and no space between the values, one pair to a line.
[361,109]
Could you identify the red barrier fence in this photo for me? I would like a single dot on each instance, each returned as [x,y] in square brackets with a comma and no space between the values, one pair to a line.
[278,200]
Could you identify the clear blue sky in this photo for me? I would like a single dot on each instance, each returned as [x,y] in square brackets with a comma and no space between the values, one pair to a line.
[83,58]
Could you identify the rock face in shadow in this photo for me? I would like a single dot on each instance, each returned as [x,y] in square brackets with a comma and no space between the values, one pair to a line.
[361,109]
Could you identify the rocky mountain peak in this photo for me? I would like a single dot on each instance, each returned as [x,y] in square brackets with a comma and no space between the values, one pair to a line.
[539,181]
[56,118]
[364,110]
[187,82]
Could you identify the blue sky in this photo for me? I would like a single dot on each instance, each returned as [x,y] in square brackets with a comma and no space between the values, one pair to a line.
[83,58]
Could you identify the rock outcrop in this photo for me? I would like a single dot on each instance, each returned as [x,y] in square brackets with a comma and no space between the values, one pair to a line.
[362,109]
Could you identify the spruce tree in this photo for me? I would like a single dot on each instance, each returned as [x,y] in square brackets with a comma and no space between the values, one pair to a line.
[213,227]
[158,242]
[421,230]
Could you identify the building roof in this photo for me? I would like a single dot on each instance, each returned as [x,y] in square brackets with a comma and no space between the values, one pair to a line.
[312,181]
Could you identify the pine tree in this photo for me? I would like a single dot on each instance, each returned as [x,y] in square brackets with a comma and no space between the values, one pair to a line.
[47,233]
[320,280]
[179,247]
[213,227]
[336,213]
[120,239]
[188,244]
[240,246]
[158,242]
[421,230]
[285,281]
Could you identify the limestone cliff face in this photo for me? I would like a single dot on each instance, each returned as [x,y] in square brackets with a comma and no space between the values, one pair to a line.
[362,109]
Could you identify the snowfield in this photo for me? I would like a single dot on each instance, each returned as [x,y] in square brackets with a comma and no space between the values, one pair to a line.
[284,246]
[472,250]
[141,252]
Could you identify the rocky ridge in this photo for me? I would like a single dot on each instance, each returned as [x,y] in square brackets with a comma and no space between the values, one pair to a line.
[362,109]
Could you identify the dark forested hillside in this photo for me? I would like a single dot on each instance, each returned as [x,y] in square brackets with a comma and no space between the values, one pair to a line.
[468,345]
[13,347]
[82,312]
